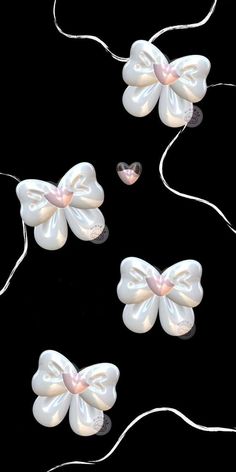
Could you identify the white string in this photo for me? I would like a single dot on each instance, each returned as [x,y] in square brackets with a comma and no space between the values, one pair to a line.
[86,36]
[211,429]
[221,83]
[179,27]
[153,38]
[185,195]
[25,249]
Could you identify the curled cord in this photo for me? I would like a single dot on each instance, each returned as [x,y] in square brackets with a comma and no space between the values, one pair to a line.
[25,249]
[184,195]
[179,27]
[86,36]
[211,429]
[151,40]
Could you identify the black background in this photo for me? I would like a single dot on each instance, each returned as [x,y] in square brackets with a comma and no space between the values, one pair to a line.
[61,104]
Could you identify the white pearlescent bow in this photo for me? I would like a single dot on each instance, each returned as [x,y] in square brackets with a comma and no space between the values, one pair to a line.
[86,394]
[74,201]
[174,293]
[177,85]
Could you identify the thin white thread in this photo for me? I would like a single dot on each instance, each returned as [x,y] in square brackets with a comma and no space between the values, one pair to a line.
[185,195]
[153,38]
[221,83]
[86,36]
[25,249]
[211,429]
[180,27]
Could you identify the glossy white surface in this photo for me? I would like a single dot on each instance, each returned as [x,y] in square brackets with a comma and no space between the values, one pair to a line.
[179,290]
[50,209]
[176,85]
[86,395]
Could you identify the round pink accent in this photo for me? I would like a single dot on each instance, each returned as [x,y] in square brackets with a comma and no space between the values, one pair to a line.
[165,73]
[159,285]
[59,197]
[74,382]
[128,176]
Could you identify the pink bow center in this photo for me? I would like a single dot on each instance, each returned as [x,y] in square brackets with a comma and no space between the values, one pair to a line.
[166,73]
[159,285]
[74,382]
[59,197]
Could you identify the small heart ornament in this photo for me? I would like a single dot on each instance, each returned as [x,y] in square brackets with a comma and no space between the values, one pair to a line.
[129,174]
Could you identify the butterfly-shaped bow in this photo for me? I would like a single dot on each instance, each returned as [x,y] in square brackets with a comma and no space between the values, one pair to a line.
[86,394]
[74,201]
[177,85]
[174,293]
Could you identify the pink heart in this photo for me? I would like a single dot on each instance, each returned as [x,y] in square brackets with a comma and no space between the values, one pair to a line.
[59,197]
[129,174]
[165,73]
[74,382]
[159,285]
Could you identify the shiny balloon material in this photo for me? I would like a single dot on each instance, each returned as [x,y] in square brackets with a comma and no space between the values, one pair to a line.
[173,293]
[86,394]
[176,86]
[129,174]
[74,202]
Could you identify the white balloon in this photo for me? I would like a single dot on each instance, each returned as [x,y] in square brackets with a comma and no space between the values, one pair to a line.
[74,202]
[177,85]
[174,293]
[35,209]
[176,320]
[50,411]
[86,394]
[53,233]
[174,111]
[140,101]
[140,317]
[84,418]
[83,222]
[102,379]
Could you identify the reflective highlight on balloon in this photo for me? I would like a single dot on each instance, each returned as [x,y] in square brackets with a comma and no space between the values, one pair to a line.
[50,209]
[176,86]
[129,174]
[85,394]
[173,294]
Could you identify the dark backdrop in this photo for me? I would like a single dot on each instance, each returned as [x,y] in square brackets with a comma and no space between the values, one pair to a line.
[62,105]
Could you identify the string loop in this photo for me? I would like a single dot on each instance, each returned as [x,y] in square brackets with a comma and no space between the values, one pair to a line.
[151,40]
